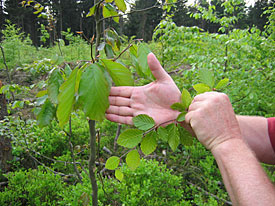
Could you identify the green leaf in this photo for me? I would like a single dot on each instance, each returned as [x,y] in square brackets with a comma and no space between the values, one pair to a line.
[112,163]
[66,98]
[186,98]
[94,92]
[173,136]
[207,77]
[109,1]
[142,53]
[133,159]
[149,143]
[54,83]
[130,138]
[41,93]
[119,73]
[143,122]
[121,5]
[119,175]
[133,50]
[163,134]
[222,84]
[185,137]
[181,117]
[201,88]
[67,70]
[46,114]
[91,11]
[178,106]
[109,51]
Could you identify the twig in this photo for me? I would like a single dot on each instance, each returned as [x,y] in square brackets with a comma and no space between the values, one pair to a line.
[212,195]
[117,135]
[72,151]
[7,69]
[3,184]
[138,10]
[158,125]
[92,166]
[116,58]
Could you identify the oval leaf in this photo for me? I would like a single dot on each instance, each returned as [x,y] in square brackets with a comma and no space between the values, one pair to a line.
[119,175]
[142,53]
[121,5]
[119,73]
[201,88]
[66,98]
[222,84]
[46,114]
[181,117]
[186,98]
[149,143]
[112,163]
[173,136]
[130,138]
[185,137]
[143,122]
[93,93]
[133,159]
[178,106]
[54,83]
[163,134]
[207,77]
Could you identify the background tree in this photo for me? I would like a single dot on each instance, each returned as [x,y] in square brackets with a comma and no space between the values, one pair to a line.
[142,23]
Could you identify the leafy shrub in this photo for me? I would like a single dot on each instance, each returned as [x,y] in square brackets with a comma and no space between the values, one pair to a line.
[32,187]
[150,184]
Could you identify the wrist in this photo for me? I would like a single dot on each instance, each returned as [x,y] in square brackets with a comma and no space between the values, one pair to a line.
[227,146]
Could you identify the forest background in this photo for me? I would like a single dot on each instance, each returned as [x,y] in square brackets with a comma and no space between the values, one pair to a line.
[45,159]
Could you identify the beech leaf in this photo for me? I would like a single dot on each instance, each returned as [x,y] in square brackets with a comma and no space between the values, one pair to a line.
[130,138]
[143,122]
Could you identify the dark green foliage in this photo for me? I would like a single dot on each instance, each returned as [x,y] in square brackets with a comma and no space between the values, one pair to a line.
[32,187]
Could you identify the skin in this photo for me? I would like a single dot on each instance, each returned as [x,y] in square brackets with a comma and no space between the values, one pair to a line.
[235,141]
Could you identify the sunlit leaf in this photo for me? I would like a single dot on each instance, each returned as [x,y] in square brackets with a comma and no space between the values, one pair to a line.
[130,138]
[112,163]
[222,84]
[143,122]
[119,175]
[201,88]
[121,5]
[207,77]
[186,98]
[133,159]
[119,73]
[91,11]
[149,143]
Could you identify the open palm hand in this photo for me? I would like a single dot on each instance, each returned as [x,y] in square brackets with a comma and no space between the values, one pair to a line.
[153,99]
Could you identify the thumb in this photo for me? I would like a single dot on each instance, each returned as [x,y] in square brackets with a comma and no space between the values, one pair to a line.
[159,73]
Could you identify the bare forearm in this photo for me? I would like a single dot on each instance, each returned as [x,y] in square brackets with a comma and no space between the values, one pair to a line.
[243,175]
[255,133]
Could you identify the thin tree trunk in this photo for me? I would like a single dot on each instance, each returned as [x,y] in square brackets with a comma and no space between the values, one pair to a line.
[5,142]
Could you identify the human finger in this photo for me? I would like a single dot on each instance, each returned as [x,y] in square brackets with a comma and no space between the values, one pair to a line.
[204,96]
[119,101]
[158,72]
[121,91]
[195,105]
[122,111]
[120,119]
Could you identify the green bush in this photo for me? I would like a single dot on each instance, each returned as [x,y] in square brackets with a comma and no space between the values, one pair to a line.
[32,187]
[150,184]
